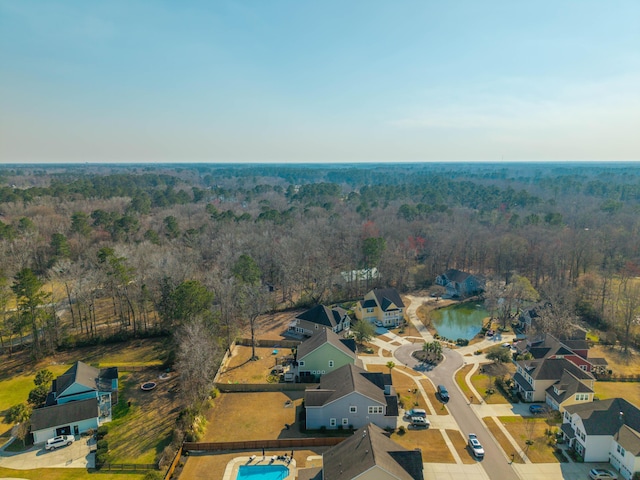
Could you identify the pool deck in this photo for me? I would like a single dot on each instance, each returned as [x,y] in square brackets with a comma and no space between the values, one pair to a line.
[231,472]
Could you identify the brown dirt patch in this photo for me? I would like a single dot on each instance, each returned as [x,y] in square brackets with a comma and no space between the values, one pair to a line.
[431,443]
[272,326]
[253,416]
[387,353]
[384,338]
[240,369]
[460,444]
[374,349]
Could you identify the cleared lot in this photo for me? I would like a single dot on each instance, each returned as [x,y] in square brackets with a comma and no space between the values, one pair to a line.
[253,416]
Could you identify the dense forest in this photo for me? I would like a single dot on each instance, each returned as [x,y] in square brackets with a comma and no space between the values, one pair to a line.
[154,247]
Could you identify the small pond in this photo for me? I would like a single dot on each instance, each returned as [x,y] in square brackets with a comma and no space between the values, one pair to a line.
[462,320]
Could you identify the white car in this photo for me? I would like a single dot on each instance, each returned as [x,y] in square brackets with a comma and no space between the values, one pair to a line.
[601,474]
[475,446]
[59,441]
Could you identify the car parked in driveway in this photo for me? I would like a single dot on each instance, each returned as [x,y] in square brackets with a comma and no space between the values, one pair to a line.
[420,422]
[443,393]
[416,412]
[475,446]
[601,474]
[537,409]
[59,441]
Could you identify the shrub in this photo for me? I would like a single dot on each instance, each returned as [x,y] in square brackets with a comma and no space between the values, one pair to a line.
[462,342]
[102,431]
[102,457]
[401,430]
[103,445]
[153,475]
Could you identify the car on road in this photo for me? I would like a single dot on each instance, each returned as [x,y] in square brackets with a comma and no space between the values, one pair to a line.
[59,441]
[601,474]
[443,393]
[420,422]
[475,446]
[416,412]
[537,409]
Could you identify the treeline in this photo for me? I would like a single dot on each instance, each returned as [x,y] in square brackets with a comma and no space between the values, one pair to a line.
[116,242]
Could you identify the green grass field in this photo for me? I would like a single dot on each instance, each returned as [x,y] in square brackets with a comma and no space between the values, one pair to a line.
[16,389]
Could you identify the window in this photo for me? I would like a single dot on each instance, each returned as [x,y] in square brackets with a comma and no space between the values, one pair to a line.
[301,363]
[345,421]
[353,409]
[369,310]
[620,450]
[332,422]
[582,396]
[331,363]
[375,409]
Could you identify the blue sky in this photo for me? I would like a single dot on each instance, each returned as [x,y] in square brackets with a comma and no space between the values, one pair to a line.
[315,81]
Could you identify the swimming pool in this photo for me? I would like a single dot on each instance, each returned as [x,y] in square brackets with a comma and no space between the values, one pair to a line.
[262,472]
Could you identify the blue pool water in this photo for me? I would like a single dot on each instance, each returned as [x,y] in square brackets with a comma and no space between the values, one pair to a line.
[262,472]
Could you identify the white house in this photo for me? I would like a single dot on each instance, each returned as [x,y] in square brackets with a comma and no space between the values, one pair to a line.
[605,431]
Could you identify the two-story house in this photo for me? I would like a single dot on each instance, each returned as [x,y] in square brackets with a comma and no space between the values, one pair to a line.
[533,378]
[605,431]
[351,397]
[80,399]
[574,350]
[318,318]
[459,284]
[382,307]
[368,454]
[323,353]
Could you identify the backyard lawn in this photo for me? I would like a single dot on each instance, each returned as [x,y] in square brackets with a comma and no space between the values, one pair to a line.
[630,391]
[484,379]
[253,416]
[141,431]
[623,364]
[240,369]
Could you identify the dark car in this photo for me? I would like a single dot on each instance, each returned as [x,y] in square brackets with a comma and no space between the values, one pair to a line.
[537,409]
[443,393]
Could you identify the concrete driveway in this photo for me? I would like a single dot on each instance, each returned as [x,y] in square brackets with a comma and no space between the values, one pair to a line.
[76,455]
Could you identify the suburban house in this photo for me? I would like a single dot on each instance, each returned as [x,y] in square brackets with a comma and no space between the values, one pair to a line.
[575,350]
[351,397]
[381,306]
[323,353]
[605,431]
[368,453]
[80,399]
[459,284]
[533,379]
[318,318]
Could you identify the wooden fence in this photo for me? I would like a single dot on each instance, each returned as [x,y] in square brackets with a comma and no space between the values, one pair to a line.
[129,467]
[280,443]
[263,387]
[174,464]
[269,343]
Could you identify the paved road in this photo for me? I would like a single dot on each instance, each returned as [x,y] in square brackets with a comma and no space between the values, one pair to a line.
[495,463]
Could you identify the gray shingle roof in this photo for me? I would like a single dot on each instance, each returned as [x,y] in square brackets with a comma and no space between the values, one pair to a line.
[367,448]
[80,373]
[316,341]
[386,296]
[615,416]
[568,385]
[329,317]
[343,381]
[59,415]
[553,368]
